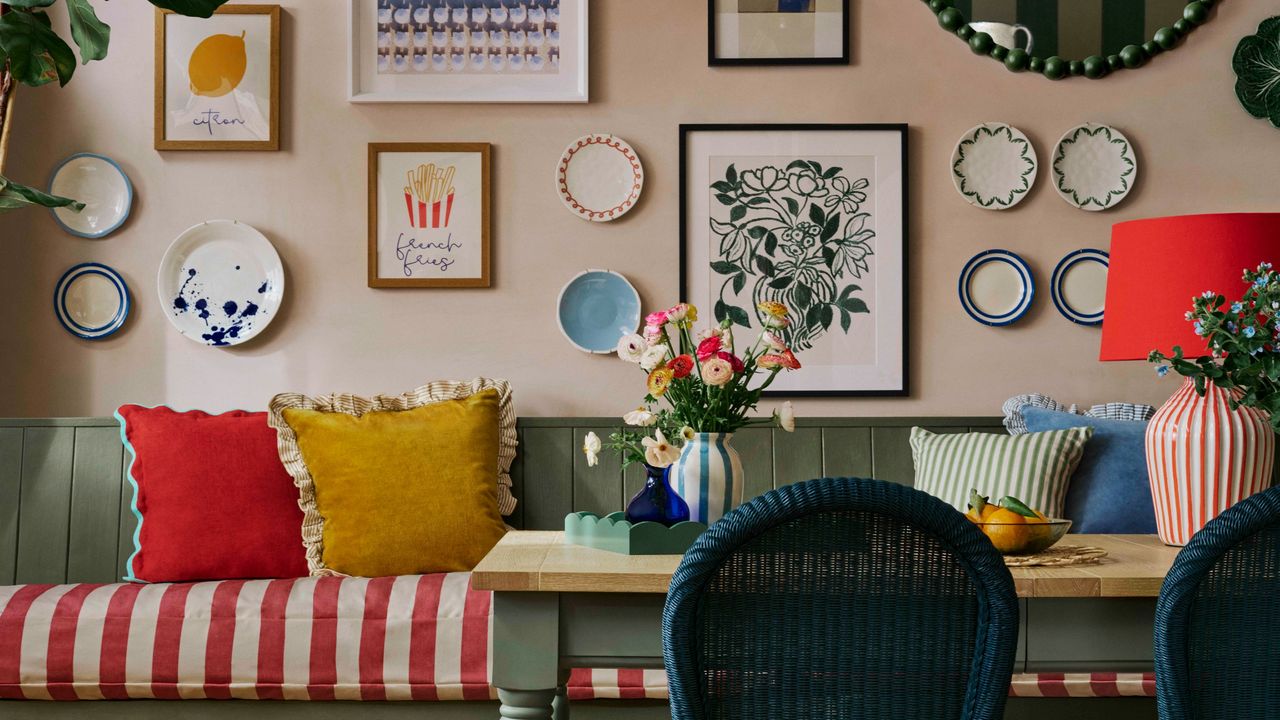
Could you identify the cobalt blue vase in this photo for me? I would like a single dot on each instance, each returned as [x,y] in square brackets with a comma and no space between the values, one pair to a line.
[657,501]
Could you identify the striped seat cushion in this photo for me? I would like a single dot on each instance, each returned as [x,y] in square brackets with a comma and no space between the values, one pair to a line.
[404,638]
[1035,468]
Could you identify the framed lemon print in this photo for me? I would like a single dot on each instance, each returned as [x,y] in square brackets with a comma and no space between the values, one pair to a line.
[218,80]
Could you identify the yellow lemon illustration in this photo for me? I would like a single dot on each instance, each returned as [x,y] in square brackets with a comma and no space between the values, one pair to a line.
[217,65]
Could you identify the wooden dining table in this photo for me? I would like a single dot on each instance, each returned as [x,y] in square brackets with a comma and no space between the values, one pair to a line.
[558,606]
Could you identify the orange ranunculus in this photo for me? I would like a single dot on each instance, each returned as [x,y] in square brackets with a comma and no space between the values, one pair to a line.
[659,381]
[680,366]
[785,359]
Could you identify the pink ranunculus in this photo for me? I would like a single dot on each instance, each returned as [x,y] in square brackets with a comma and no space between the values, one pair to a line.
[653,334]
[658,318]
[734,361]
[709,347]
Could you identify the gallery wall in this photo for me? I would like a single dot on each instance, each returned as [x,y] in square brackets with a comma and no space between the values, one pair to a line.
[1198,152]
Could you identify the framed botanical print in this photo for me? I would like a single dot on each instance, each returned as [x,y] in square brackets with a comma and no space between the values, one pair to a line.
[813,217]
[468,51]
[778,32]
[218,79]
[429,215]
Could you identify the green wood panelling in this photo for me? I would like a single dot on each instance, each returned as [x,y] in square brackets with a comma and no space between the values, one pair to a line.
[10,484]
[45,504]
[60,477]
[1124,22]
[548,475]
[596,489]
[95,485]
[797,456]
[846,452]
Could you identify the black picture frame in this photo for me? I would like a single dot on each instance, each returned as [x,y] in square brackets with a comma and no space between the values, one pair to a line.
[714,61]
[903,130]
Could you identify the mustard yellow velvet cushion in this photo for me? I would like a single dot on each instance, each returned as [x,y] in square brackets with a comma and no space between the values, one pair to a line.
[397,491]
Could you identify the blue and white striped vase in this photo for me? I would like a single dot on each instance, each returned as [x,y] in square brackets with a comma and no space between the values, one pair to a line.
[709,476]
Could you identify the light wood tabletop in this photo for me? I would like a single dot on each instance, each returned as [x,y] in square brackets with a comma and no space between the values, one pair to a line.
[541,561]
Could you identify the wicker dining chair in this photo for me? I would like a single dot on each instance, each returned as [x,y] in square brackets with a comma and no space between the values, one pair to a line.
[840,598]
[1217,631]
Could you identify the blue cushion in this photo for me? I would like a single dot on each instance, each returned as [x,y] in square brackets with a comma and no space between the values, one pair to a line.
[1109,492]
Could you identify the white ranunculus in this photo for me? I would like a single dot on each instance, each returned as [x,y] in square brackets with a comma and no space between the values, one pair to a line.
[653,356]
[631,348]
[787,417]
[658,452]
[591,448]
[640,417]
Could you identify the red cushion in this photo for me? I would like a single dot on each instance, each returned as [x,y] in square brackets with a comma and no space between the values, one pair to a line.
[212,498]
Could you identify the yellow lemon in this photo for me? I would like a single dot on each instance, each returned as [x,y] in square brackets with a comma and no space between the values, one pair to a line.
[217,65]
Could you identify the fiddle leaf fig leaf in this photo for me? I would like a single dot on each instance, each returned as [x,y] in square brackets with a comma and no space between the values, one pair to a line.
[192,8]
[14,196]
[27,3]
[91,34]
[36,54]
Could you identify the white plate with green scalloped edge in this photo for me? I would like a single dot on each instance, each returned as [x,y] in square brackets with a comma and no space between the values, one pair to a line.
[994,166]
[1094,167]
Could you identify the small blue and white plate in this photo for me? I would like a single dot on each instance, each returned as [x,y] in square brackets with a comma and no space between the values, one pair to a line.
[221,283]
[597,308]
[91,301]
[99,183]
[1079,286]
[996,288]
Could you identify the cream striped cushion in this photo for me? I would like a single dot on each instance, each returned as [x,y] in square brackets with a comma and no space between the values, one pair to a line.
[1035,467]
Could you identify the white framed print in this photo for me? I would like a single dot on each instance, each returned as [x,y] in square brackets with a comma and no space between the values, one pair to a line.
[813,217]
[217,80]
[429,215]
[440,51]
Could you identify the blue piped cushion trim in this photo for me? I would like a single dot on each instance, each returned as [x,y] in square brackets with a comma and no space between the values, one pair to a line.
[130,575]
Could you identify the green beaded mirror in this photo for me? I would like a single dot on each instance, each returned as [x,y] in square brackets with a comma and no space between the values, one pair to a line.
[1071,38]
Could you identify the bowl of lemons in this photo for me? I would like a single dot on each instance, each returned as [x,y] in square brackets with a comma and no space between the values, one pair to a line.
[1013,527]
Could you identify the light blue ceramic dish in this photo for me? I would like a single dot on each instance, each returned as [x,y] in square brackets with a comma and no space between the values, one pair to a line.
[596,309]
[99,183]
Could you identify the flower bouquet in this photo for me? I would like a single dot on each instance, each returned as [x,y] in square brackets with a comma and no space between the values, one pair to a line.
[700,391]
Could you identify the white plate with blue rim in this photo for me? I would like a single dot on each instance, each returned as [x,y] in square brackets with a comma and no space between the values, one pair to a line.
[596,309]
[91,301]
[99,183]
[996,288]
[221,283]
[1079,286]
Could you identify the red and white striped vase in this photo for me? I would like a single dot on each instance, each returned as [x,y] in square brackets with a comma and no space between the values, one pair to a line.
[1203,457]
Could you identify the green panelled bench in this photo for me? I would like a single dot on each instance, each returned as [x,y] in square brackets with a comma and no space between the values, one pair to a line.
[65,517]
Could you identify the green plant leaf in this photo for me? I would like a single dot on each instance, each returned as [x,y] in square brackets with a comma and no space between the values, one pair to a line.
[724,268]
[722,186]
[27,3]
[827,315]
[831,172]
[798,164]
[832,227]
[721,311]
[36,54]
[854,305]
[771,243]
[803,296]
[726,199]
[91,34]
[792,206]
[846,320]
[816,216]
[739,282]
[731,175]
[781,283]
[192,8]
[14,196]
[739,316]
[737,213]
[765,265]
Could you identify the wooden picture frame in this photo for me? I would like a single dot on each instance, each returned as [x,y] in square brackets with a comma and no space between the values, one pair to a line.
[744,214]
[209,115]
[713,42]
[431,207]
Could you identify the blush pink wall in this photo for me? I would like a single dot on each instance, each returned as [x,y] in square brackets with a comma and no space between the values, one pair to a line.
[1198,152]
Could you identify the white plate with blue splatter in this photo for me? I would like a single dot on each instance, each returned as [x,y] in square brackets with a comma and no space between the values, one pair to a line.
[221,283]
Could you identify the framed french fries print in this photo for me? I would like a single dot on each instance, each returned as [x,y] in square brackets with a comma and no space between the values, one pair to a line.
[429,215]
[218,80]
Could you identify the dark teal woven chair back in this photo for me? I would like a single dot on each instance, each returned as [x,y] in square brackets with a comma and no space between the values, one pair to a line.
[1217,626]
[840,598]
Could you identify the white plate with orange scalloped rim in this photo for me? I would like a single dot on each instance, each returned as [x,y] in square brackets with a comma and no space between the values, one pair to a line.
[599,177]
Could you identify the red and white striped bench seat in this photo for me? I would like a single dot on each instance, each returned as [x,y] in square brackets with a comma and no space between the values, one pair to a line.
[404,638]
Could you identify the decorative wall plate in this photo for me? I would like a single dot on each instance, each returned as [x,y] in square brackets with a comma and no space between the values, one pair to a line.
[91,301]
[99,183]
[1094,167]
[1257,65]
[599,177]
[1079,286]
[996,288]
[994,166]
[596,309]
[221,283]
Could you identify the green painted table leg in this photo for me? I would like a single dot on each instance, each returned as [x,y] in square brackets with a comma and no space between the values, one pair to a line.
[526,653]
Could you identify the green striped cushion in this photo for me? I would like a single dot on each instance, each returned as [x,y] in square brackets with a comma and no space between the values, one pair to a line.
[1035,468]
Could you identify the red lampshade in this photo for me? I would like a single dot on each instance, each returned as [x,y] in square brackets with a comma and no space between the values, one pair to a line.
[1159,265]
